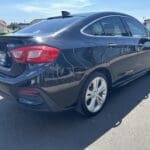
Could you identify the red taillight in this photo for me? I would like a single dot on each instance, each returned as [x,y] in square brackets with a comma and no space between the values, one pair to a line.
[29,91]
[35,54]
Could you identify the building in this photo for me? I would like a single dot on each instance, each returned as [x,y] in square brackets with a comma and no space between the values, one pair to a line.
[3,26]
[147,23]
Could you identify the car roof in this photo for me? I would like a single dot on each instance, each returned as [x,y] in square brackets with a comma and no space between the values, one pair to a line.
[90,14]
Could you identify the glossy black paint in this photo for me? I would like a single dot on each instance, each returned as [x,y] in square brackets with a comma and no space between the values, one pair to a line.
[122,59]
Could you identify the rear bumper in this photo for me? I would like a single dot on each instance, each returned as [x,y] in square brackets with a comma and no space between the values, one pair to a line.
[38,102]
[6,88]
[57,93]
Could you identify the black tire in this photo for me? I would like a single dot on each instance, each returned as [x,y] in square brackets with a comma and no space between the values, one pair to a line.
[81,107]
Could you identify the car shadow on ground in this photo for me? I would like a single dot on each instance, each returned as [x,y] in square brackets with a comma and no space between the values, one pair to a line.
[21,129]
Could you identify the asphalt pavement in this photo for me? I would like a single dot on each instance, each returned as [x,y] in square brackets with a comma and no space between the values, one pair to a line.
[123,124]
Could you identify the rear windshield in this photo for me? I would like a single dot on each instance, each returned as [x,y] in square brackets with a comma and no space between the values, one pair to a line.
[48,26]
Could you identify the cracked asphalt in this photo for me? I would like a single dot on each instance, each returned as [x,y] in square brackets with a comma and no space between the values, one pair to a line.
[123,124]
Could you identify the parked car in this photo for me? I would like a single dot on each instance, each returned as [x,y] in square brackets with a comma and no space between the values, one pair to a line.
[73,61]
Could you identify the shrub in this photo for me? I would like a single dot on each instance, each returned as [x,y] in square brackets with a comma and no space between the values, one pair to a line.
[2,33]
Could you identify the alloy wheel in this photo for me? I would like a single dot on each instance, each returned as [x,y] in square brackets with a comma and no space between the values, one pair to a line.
[96,94]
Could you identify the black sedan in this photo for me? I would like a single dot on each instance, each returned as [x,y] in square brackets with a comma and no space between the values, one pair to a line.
[73,61]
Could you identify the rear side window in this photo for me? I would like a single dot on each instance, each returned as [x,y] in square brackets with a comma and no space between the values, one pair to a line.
[95,29]
[48,26]
[109,26]
[136,28]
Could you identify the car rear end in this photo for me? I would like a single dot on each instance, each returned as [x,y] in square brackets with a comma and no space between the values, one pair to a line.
[30,64]
[23,62]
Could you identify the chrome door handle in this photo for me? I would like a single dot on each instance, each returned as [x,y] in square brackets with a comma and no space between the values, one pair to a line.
[112,44]
[141,45]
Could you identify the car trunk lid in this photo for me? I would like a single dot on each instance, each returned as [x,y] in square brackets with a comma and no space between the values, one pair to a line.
[8,67]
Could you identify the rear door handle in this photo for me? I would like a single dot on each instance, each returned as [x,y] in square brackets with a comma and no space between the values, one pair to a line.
[140,47]
[112,44]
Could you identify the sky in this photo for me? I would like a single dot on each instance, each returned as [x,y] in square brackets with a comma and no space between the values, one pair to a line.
[27,10]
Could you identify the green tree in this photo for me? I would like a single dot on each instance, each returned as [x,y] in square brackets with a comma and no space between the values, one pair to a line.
[14,26]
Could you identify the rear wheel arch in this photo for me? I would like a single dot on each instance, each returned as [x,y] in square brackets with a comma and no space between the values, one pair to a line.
[80,107]
[105,72]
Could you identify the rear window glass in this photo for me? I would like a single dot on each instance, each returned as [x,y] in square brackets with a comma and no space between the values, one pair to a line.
[49,26]
[108,26]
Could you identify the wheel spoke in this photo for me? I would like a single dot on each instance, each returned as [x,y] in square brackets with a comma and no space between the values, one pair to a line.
[89,94]
[96,94]
[99,100]
[92,104]
[102,87]
[95,84]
